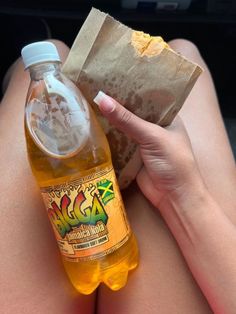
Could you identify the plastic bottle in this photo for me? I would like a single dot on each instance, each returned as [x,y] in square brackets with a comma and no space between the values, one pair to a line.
[70,159]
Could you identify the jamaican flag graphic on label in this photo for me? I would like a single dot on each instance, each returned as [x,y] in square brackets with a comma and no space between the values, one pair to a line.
[106,191]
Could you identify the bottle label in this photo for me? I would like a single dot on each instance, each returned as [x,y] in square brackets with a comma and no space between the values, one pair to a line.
[87,215]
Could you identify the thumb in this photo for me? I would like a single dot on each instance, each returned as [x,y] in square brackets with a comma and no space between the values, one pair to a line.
[123,119]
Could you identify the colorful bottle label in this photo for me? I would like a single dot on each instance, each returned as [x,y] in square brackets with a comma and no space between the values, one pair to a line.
[87,215]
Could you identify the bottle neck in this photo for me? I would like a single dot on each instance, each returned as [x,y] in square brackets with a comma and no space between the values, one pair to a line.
[38,71]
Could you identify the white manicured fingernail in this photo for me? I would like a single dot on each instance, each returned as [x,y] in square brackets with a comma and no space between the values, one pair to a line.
[100,96]
[104,102]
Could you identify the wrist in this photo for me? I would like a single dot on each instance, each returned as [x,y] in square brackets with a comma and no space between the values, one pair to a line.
[192,194]
[187,209]
[192,191]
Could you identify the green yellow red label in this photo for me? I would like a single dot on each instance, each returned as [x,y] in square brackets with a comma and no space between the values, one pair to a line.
[87,215]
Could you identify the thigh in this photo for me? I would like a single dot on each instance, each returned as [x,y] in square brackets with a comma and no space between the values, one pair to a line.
[162,283]
[204,123]
[32,279]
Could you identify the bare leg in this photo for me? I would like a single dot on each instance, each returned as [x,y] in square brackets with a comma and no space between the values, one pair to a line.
[163,283]
[202,118]
[32,279]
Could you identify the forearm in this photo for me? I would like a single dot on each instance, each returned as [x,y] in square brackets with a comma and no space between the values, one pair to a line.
[207,239]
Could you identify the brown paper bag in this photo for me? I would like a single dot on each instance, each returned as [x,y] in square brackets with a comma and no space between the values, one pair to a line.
[153,87]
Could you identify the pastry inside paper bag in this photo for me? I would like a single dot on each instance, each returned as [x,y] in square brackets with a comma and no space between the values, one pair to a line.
[138,70]
[147,45]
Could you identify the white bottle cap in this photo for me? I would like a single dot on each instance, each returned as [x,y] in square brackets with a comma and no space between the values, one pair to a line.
[38,52]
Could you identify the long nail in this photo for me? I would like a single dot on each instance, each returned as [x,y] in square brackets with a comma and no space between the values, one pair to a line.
[104,102]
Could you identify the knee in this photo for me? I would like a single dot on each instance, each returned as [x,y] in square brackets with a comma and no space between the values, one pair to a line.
[187,49]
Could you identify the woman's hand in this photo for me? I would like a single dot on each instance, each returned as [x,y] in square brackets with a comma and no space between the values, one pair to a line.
[169,169]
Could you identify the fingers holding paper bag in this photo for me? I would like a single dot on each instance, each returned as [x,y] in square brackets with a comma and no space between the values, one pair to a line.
[166,152]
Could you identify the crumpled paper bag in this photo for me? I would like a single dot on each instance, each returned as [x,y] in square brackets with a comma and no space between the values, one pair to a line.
[103,57]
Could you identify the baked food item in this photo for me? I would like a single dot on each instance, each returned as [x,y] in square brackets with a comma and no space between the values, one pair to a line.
[148,45]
